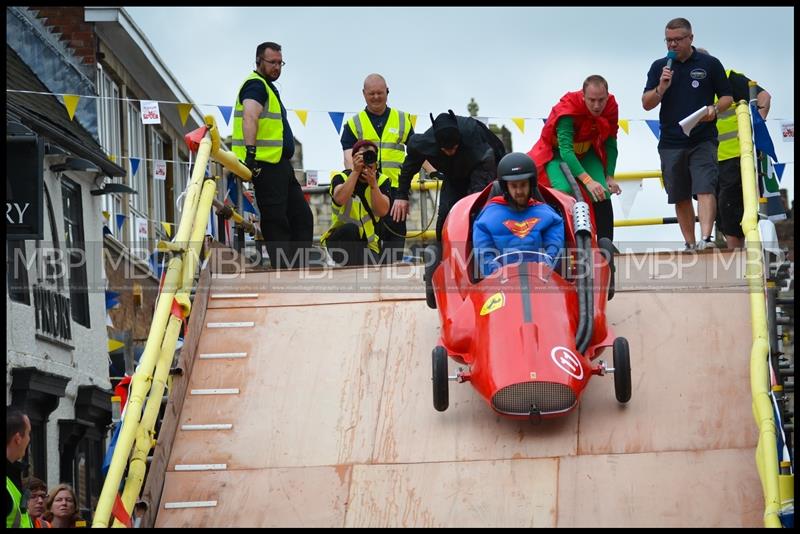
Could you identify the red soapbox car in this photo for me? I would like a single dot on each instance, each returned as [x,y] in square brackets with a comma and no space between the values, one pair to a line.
[528,334]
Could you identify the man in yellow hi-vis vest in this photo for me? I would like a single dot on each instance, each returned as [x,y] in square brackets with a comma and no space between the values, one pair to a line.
[389,129]
[18,436]
[263,139]
[730,205]
[360,199]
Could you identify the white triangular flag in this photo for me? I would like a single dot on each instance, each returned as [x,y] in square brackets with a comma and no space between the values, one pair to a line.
[628,196]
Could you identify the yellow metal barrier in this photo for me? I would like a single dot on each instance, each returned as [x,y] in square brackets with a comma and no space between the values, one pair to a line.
[766,450]
[149,381]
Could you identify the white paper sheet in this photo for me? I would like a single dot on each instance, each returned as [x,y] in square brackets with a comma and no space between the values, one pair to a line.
[691,121]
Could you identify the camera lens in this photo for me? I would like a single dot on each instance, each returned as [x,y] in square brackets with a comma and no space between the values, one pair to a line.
[370,157]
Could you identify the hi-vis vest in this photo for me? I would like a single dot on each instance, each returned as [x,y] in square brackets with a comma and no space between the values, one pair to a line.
[269,136]
[354,212]
[391,145]
[16,518]
[727,130]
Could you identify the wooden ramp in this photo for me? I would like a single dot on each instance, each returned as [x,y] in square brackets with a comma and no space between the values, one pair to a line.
[322,388]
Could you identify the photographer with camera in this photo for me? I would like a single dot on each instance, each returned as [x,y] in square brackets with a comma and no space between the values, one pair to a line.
[360,197]
[389,129]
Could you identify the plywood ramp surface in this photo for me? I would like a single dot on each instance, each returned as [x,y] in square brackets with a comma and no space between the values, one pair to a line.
[328,398]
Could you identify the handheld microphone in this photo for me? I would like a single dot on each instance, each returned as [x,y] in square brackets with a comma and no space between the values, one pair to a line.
[670,56]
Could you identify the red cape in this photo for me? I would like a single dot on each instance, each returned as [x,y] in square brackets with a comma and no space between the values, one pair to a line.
[587,128]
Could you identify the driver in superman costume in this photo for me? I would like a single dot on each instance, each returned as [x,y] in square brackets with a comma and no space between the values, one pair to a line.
[517,220]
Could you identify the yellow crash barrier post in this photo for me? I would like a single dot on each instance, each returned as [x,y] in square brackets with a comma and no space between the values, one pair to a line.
[140,383]
[766,451]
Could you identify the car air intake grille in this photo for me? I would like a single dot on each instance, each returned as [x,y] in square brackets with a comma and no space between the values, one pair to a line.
[542,397]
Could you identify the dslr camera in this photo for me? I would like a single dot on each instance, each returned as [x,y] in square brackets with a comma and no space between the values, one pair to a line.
[370,157]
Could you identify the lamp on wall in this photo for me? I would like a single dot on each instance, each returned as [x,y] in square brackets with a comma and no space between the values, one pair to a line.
[82,165]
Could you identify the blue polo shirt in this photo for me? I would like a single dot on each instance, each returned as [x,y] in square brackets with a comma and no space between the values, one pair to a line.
[694,84]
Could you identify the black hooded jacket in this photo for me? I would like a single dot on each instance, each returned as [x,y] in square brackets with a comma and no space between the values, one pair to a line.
[473,166]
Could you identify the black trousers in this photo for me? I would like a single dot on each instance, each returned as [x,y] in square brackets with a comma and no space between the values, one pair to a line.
[286,220]
[604,218]
[392,234]
[451,193]
[346,247]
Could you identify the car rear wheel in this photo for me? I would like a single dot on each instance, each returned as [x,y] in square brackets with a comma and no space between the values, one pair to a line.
[441,394]
[622,370]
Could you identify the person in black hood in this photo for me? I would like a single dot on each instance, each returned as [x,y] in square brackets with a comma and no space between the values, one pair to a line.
[465,154]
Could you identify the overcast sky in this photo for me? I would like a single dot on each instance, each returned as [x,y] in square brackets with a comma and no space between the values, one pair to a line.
[515,62]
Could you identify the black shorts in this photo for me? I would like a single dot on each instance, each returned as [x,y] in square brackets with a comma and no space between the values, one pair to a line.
[730,205]
[689,171]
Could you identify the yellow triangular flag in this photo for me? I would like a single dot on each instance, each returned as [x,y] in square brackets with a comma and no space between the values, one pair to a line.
[302,114]
[106,215]
[183,111]
[624,124]
[71,101]
[413,121]
[520,122]
[167,228]
[112,157]
[113,345]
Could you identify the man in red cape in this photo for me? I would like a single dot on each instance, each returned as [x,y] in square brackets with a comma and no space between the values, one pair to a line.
[582,131]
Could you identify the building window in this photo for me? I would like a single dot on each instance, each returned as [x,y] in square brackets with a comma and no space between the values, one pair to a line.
[17,272]
[76,251]
[37,450]
[157,158]
[110,134]
[136,150]
[87,471]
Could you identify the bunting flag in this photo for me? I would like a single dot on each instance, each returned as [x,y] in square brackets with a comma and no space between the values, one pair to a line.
[337,117]
[226,113]
[771,185]
[183,111]
[112,299]
[302,114]
[71,102]
[484,120]
[120,221]
[111,446]
[413,121]
[232,193]
[106,215]
[167,228]
[779,168]
[109,322]
[114,345]
[628,196]
[544,121]
[655,127]
[625,125]
[113,158]
[762,140]
[247,203]
[135,165]
[520,122]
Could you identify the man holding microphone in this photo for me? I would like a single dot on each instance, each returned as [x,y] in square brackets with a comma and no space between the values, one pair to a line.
[682,83]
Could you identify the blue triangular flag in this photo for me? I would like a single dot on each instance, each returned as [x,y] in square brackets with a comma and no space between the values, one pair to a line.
[544,121]
[247,205]
[654,127]
[111,446]
[120,221]
[111,299]
[779,167]
[226,113]
[233,191]
[761,136]
[337,117]
[134,166]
